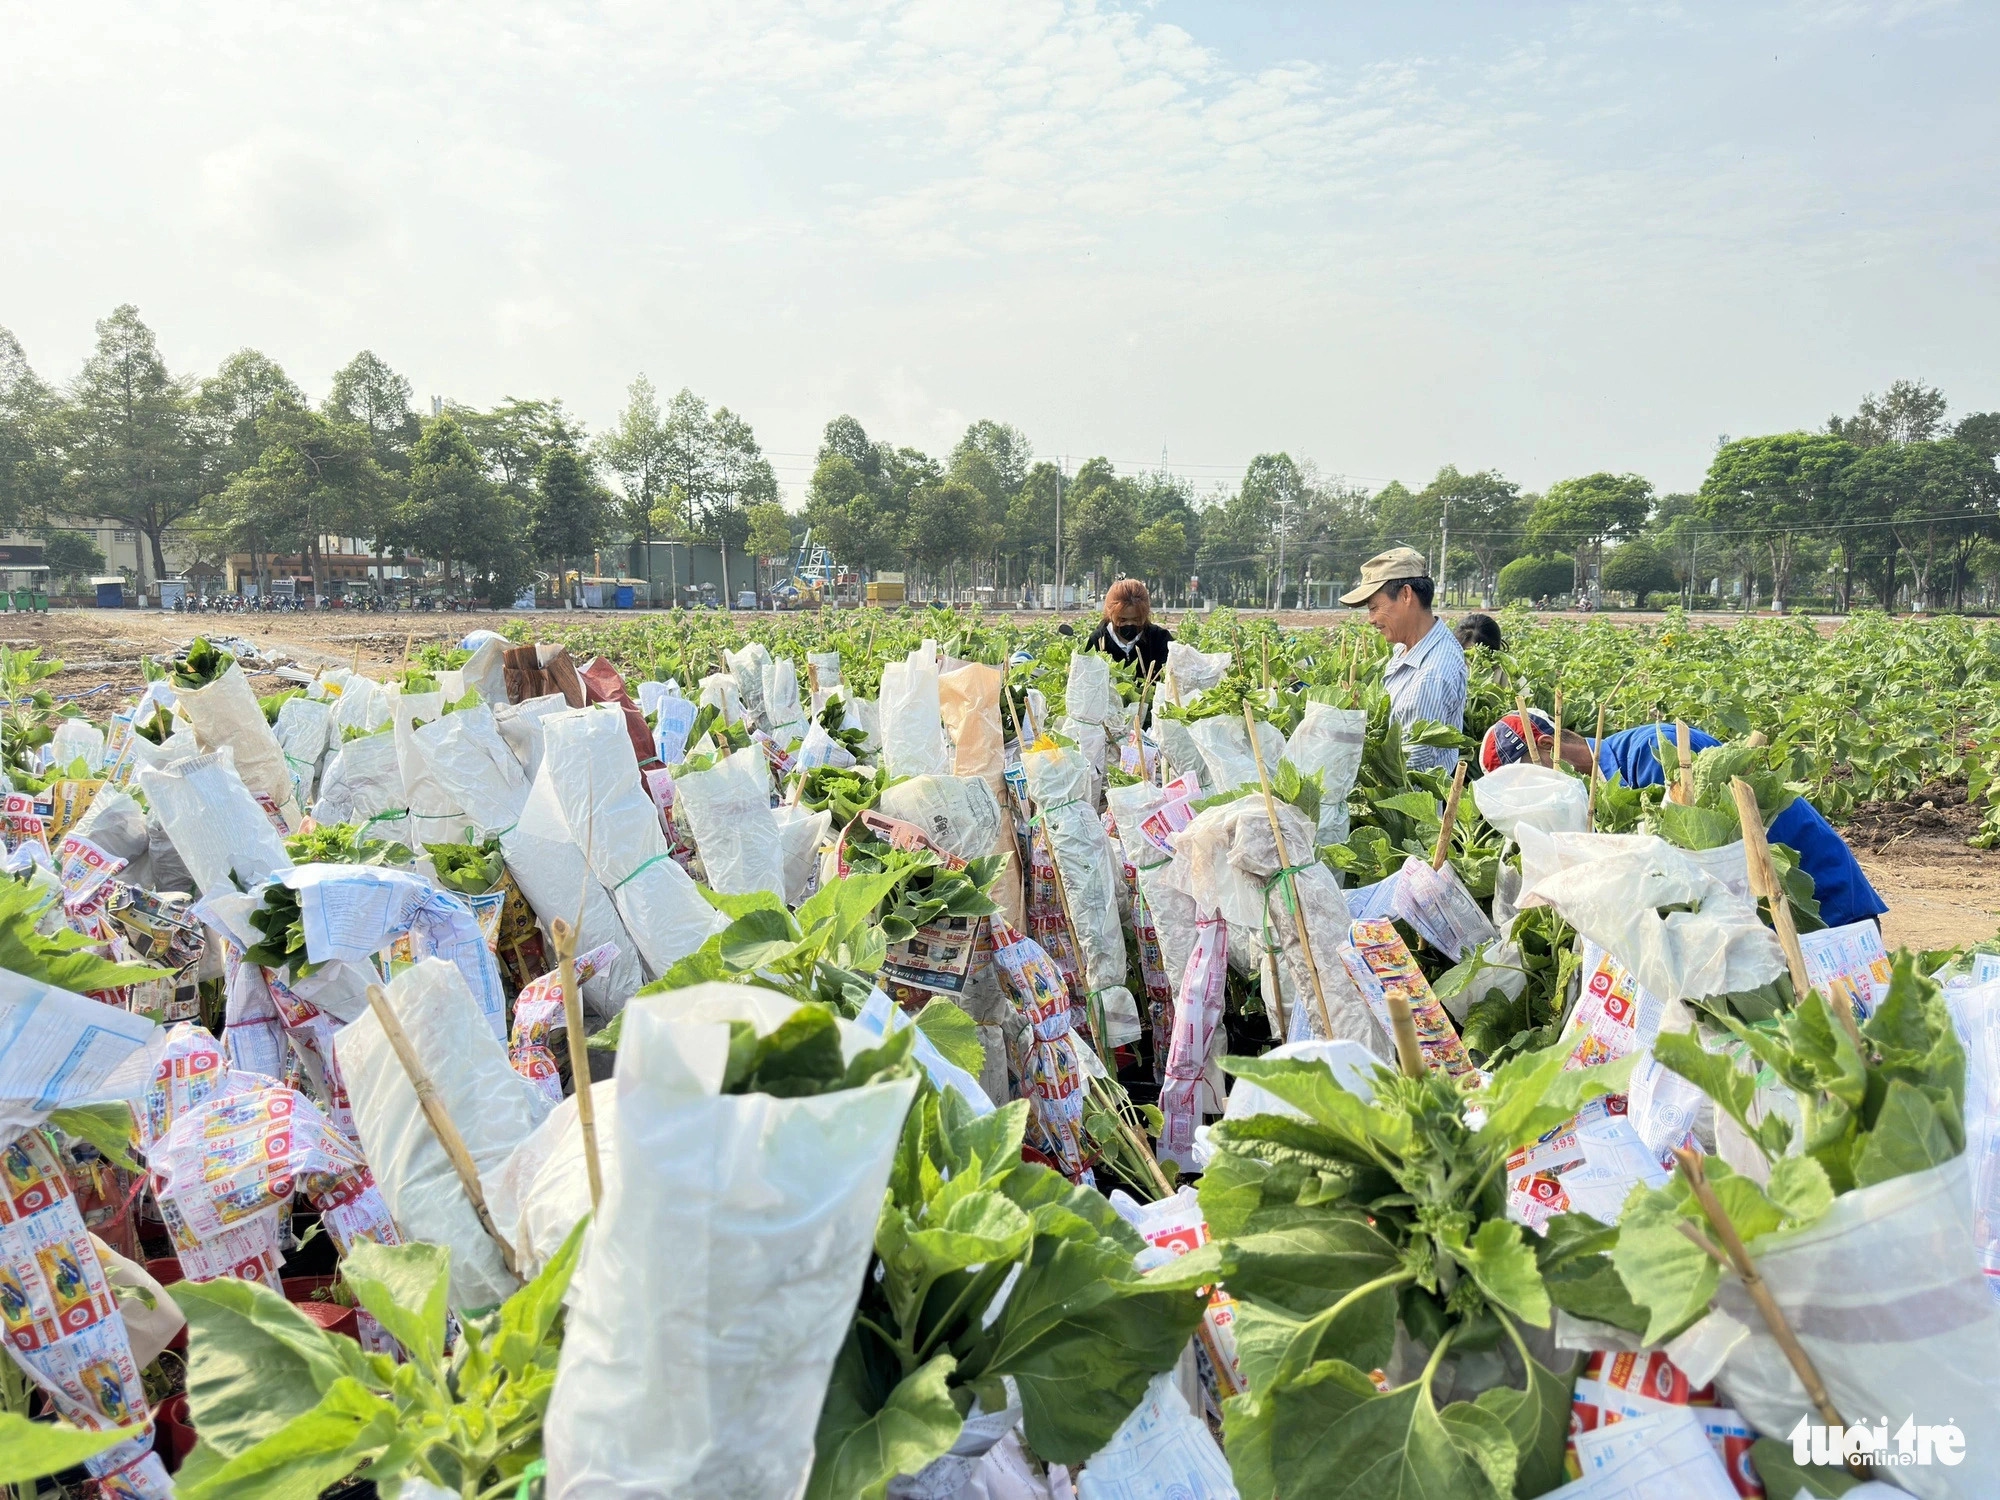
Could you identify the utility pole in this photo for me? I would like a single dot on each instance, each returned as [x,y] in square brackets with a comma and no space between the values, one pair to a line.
[1061,468]
[1284,525]
[1444,545]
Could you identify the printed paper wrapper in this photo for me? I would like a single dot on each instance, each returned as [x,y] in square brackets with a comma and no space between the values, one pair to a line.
[537,1010]
[1196,1019]
[937,958]
[1848,965]
[1046,1058]
[1380,965]
[1059,781]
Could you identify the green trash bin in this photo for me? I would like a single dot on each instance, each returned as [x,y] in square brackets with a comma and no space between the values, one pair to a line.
[24,599]
[41,601]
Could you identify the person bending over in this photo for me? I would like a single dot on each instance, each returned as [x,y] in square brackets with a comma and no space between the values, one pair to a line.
[1633,756]
[1127,633]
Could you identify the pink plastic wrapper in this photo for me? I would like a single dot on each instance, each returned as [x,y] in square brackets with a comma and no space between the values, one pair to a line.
[1050,1067]
[536,1011]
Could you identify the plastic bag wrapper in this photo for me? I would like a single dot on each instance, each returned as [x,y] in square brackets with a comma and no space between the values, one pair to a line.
[1190,673]
[786,716]
[969,700]
[65,1049]
[1887,1298]
[475,770]
[1330,740]
[824,670]
[304,725]
[226,713]
[1975,1013]
[720,689]
[1615,1018]
[960,814]
[435,817]
[1541,797]
[538,1011]
[486,670]
[116,823]
[74,740]
[1046,1057]
[821,749]
[1059,781]
[520,727]
[1130,806]
[589,768]
[494,1108]
[1609,888]
[363,781]
[63,1326]
[1088,695]
[602,684]
[1090,739]
[361,704]
[1197,1018]
[149,1327]
[351,912]
[801,832]
[1226,758]
[547,863]
[542,1192]
[1162,1449]
[747,668]
[1380,965]
[882,1017]
[753,1217]
[1177,745]
[727,811]
[1436,903]
[911,716]
[214,822]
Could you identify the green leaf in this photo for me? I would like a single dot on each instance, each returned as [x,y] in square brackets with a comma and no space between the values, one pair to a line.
[33,1450]
[1800,1189]
[349,1426]
[758,939]
[1696,827]
[1909,1136]
[532,1311]
[1311,1087]
[1307,1266]
[1733,1089]
[255,1362]
[1481,1434]
[1577,1270]
[404,1287]
[1773,1460]
[979,1229]
[108,1127]
[856,1453]
[1501,1261]
[737,907]
[953,1033]
[1663,1271]
[1537,1422]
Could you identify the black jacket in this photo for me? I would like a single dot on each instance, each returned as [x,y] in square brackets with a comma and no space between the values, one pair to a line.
[1147,655]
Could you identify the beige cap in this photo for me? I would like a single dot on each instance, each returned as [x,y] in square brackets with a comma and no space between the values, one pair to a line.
[1387,567]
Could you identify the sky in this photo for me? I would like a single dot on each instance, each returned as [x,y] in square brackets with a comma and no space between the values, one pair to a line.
[1542,238]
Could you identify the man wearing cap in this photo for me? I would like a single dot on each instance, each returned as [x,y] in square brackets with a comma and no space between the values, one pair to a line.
[1633,755]
[1426,672]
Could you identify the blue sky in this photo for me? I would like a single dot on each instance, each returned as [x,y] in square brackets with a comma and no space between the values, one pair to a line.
[1543,238]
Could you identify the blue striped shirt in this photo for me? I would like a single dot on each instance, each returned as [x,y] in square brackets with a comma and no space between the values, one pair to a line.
[1427,681]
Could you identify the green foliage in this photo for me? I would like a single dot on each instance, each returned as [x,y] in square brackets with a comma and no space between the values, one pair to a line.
[1080,1332]
[201,665]
[926,890]
[1537,577]
[35,1450]
[846,792]
[281,942]
[62,956]
[344,844]
[469,869]
[801,1057]
[285,1408]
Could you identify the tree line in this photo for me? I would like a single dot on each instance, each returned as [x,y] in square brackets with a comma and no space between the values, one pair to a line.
[1894,502]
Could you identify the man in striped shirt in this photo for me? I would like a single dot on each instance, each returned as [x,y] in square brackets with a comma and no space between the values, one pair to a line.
[1426,672]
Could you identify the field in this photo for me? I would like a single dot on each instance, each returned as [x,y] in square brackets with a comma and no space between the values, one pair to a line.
[1896,719]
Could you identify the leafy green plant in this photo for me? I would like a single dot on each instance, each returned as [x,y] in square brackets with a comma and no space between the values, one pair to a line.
[281,940]
[272,702]
[344,844]
[845,791]
[1376,1213]
[29,717]
[286,1408]
[801,1057]
[1080,1332]
[470,869]
[156,727]
[833,719]
[926,889]
[202,665]
[61,956]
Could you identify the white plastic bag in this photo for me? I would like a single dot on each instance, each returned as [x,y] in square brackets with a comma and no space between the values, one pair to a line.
[494,1108]
[782,710]
[538,1197]
[435,816]
[215,824]
[1436,903]
[226,713]
[747,668]
[486,670]
[1227,761]
[957,813]
[1088,694]
[1975,1014]
[1330,740]
[474,769]
[801,831]
[363,781]
[74,740]
[912,722]
[1539,796]
[520,727]
[728,814]
[1162,1451]
[745,1223]
[1059,782]
[304,725]
[1886,1295]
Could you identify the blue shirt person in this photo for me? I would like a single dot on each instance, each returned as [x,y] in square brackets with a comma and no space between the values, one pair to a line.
[1425,677]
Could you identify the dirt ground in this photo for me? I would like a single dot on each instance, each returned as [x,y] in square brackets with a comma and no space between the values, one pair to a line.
[1940,891]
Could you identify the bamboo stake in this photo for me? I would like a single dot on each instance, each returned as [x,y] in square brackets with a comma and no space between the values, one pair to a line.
[1596,771]
[1556,751]
[1528,728]
[355,669]
[1266,644]
[1450,818]
[1764,882]
[564,933]
[1684,750]
[440,1119]
[1291,880]
[1760,1293]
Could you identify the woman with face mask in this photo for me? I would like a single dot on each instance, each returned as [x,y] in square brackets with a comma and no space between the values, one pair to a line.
[1127,633]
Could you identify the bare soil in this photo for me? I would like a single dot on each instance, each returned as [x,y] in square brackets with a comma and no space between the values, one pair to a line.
[1941,892]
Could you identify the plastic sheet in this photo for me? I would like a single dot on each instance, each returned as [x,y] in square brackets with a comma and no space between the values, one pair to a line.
[1059,781]
[727,811]
[214,822]
[1088,695]
[548,865]
[1610,887]
[747,1221]
[1887,1298]
[74,740]
[1975,1014]
[1329,740]
[607,810]
[474,769]
[116,823]
[435,817]
[520,727]
[225,713]
[747,667]
[494,1108]
[541,1193]
[912,724]
[786,716]
[801,832]
[603,684]
[1541,797]
[1436,903]
[304,729]
[362,782]
[1162,1451]
[486,670]
[1224,743]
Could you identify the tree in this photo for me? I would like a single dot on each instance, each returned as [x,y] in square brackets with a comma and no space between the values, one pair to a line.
[1101,518]
[1161,550]
[636,451]
[515,436]
[31,464]
[1274,490]
[1584,512]
[567,515]
[688,456]
[1481,512]
[312,478]
[1910,412]
[450,511]
[231,403]
[1938,499]
[1981,432]
[1766,489]
[70,555]
[770,530]
[1536,577]
[1638,568]
[133,457]
[366,393]
[1031,516]
[743,478]
[935,534]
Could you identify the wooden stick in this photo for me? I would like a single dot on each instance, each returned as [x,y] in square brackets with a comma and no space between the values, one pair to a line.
[440,1119]
[1556,751]
[1596,772]
[1266,644]
[1450,817]
[355,669]
[564,934]
[1764,882]
[1684,751]
[1528,728]
[1753,1283]
[1291,880]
